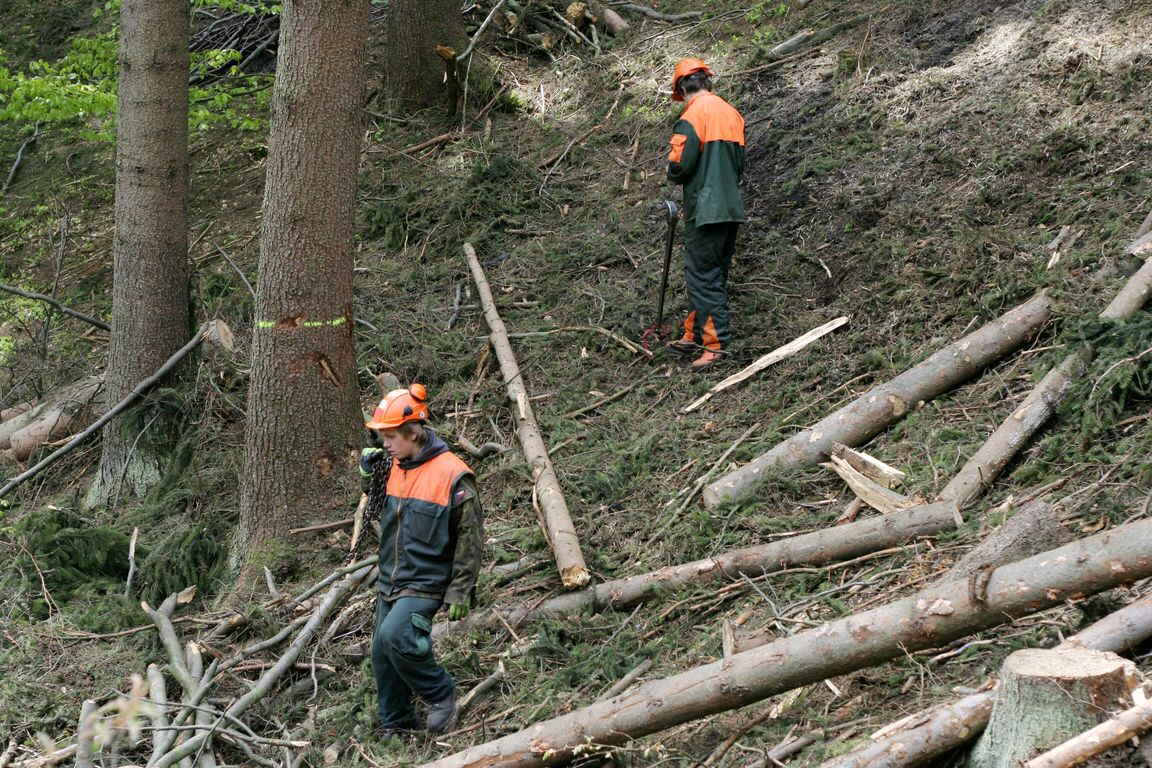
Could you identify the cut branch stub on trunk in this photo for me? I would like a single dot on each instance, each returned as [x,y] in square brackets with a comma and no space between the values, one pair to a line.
[1034,528]
[556,518]
[924,621]
[862,419]
[824,546]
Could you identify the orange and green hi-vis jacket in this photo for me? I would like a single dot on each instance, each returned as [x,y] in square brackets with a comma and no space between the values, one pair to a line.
[707,157]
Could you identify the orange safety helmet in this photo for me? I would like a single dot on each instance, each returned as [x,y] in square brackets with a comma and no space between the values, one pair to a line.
[684,68]
[399,406]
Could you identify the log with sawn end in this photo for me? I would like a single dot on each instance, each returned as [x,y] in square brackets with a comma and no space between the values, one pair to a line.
[865,417]
[935,732]
[816,548]
[863,640]
[556,518]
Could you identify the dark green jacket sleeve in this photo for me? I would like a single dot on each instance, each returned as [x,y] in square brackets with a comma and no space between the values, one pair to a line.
[468,533]
[684,155]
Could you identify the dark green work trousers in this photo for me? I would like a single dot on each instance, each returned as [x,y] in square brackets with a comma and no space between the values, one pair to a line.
[708,253]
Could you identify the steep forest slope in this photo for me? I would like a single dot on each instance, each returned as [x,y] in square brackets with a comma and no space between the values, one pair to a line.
[910,172]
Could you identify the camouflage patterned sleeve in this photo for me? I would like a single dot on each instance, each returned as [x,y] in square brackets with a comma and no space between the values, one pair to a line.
[468,533]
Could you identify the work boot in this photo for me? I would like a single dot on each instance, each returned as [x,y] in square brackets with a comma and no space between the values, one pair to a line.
[399,730]
[684,346]
[706,361]
[442,714]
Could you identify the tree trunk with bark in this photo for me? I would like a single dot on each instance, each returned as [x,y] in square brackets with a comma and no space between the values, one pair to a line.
[816,548]
[860,420]
[304,420]
[415,75]
[1033,529]
[1135,721]
[863,640]
[982,469]
[150,317]
[556,520]
[1048,696]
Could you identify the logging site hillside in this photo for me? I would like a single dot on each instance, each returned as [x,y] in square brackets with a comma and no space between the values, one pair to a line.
[515,383]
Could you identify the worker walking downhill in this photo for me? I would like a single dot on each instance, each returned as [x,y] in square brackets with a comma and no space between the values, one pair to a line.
[707,158]
[431,545]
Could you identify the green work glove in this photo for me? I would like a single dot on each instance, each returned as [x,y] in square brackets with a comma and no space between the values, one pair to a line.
[457,611]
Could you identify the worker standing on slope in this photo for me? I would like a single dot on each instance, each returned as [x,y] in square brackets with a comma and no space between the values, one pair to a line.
[431,545]
[707,159]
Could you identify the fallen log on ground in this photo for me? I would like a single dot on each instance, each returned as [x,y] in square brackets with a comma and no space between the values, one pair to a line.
[924,621]
[824,546]
[984,466]
[48,419]
[1047,696]
[1132,722]
[933,733]
[1033,529]
[556,519]
[865,417]
[216,330]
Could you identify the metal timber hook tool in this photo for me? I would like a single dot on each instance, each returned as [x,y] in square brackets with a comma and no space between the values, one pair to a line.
[658,330]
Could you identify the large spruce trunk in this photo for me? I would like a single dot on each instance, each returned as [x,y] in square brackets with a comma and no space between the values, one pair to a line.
[150,317]
[303,404]
[414,75]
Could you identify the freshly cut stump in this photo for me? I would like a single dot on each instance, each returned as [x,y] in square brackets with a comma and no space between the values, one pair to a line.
[1048,696]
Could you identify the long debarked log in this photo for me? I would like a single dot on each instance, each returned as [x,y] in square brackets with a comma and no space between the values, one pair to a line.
[935,732]
[860,420]
[984,466]
[824,546]
[557,521]
[863,640]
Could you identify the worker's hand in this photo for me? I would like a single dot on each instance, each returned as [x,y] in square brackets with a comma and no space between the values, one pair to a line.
[369,458]
[457,611]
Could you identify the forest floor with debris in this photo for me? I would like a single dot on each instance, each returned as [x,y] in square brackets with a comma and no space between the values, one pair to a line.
[911,173]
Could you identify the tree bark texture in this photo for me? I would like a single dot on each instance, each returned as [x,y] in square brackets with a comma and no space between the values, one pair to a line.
[925,736]
[840,543]
[414,74]
[862,419]
[150,317]
[1048,696]
[304,420]
[557,521]
[1033,529]
[863,640]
